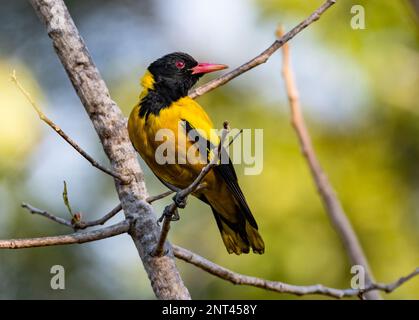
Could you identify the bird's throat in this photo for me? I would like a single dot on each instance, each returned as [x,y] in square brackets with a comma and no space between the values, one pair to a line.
[157,95]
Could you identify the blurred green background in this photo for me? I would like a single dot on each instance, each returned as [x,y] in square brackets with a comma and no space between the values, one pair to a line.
[359,92]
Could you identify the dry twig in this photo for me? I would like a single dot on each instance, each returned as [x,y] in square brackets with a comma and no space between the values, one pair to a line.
[330,200]
[264,56]
[60,132]
[77,237]
[281,287]
[80,225]
[206,265]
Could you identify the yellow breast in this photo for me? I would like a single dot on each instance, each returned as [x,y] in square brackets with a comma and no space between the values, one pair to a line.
[144,130]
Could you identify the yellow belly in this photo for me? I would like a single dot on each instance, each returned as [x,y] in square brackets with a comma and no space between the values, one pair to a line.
[143,136]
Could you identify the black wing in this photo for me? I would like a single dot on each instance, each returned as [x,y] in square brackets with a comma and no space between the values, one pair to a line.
[227,172]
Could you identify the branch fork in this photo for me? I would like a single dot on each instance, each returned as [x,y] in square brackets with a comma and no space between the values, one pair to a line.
[221,272]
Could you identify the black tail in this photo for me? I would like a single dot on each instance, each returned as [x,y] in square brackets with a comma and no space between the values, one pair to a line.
[240,236]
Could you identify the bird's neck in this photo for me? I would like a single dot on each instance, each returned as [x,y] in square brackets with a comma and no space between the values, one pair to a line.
[158,95]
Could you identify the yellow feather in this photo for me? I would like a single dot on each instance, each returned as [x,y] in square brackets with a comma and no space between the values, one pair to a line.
[147,81]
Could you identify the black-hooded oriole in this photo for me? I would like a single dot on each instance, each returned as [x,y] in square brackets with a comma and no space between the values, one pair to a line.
[163,104]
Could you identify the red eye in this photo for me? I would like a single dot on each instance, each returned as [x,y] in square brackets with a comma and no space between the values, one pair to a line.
[180,64]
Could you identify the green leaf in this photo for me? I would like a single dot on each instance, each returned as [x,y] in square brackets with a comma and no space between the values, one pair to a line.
[66,201]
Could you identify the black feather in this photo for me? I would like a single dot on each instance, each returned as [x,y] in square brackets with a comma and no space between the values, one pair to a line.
[227,172]
[170,82]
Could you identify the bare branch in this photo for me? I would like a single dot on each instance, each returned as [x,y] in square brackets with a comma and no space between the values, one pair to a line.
[390,287]
[330,200]
[151,199]
[46,214]
[80,225]
[180,198]
[110,125]
[234,138]
[100,221]
[281,287]
[118,208]
[204,264]
[264,56]
[78,237]
[58,130]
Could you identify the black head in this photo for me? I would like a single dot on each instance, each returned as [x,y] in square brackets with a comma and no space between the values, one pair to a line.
[175,73]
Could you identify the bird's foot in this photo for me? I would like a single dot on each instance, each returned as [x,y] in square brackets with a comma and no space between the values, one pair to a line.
[175,216]
[169,215]
[166,251]
[179,200]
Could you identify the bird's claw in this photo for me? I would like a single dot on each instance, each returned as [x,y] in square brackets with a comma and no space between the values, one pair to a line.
[160,220]
[175,216]
[165,253]
[167,214]
[179,201]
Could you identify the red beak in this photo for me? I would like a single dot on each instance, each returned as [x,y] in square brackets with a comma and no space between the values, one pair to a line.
[207,67]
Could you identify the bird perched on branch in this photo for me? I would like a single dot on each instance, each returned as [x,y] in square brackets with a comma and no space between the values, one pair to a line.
[164,104]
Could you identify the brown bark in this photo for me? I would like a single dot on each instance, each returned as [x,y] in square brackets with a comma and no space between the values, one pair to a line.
[110,126]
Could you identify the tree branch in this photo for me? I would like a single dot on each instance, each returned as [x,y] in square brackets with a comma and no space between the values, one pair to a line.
[204,264]
[264,56]
[110,126]
[330,200]
[60,132]
[76,226]
[77,237]
[281,287]
[84,225]
[100,221]
[47,215]
[151,199]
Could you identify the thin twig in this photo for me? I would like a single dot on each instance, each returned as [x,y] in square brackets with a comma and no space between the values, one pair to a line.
[234,138]
[100,221]
[281,287]
[77,237]
[330,199]
[76,226]
[46,214]
[204,264]
[264,56]
[390,287]
[58,130]
[151,199]
[182,195]
[80,225]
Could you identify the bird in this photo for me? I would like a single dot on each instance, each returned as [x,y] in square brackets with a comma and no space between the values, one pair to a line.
[163,104]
